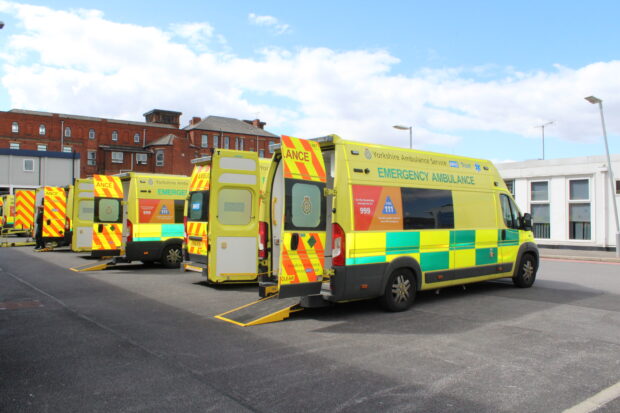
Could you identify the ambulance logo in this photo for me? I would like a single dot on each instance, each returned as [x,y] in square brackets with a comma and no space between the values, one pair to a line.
[477,166]
[368,154]
[388,207]
[164,211]
[306,205]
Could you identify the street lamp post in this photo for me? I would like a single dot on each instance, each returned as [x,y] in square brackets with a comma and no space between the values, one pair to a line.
[410,128]
[595,100]
[543,136]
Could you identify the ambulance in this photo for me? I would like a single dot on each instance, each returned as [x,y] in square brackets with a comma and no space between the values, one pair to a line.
[221,216]
[7,211]
[139,217]
[348,221]
[79,218]
[54,202]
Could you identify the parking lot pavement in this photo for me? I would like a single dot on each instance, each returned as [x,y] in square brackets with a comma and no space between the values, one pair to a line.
[489,347]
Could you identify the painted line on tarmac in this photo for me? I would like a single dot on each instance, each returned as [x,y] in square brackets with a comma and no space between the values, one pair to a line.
[597,401]
[581,261]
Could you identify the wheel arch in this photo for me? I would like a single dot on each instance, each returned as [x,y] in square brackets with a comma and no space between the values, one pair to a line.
[407,262]
[526,248]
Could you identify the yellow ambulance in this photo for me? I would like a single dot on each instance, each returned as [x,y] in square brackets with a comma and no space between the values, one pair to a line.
[25,210]
[348,220]
[7,211]
[221,215]
[54,202]
[139,217]
[79,220]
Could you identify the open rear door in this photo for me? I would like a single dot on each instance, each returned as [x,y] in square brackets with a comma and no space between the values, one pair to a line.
[83,209]
[198,214]
[233,216]
[108,217]
[24,209]
[302,241]
[54,213]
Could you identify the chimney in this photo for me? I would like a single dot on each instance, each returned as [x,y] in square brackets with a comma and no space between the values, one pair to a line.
[256,123]
[195,120]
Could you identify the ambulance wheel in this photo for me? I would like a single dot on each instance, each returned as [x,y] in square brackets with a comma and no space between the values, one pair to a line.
[400,290]
[526,272]
[172,256]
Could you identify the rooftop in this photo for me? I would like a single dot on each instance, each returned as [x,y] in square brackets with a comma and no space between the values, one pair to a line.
[229,125]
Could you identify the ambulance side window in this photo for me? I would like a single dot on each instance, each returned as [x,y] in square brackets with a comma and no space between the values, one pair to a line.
[305,205]
[234,206]
[427,208]
[86,210]
[198,206]
[108,210]
[510,212]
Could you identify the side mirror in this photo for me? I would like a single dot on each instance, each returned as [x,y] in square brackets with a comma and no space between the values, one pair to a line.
[526,221]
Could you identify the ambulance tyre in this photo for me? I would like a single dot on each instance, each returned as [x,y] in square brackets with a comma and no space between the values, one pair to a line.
[400,291]
[526,272]
[172,256]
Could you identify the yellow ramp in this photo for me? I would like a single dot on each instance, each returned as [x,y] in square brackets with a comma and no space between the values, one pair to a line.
[92,266]
[266,310]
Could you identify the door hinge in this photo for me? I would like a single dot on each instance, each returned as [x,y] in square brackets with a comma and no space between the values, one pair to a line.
[329,192]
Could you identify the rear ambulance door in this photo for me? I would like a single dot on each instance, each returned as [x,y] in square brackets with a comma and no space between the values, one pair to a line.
[233,216]
[108,218]
[54,212]
[24,209]
[301,261]
[83,211]
[198,213]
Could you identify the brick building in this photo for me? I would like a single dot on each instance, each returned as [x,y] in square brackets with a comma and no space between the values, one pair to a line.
[109,146]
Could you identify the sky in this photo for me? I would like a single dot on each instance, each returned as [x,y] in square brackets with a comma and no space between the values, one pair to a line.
[472,78]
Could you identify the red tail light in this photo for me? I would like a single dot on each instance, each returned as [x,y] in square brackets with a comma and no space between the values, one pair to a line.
[67,224]
[185,231]
[129,231]
[338,245]
[262,240]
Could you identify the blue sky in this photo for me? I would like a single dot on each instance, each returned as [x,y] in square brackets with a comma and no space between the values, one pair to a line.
[473,78]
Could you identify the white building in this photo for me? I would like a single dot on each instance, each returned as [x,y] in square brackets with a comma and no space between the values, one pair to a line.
[570,199]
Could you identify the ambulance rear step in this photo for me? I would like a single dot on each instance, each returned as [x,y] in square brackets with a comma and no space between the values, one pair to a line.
[266,310]
[95,266]
[193,266]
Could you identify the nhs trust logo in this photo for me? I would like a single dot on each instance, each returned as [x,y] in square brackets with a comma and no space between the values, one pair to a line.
[454,164]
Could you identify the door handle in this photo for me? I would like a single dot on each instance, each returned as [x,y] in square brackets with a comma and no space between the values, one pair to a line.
[294,241]
[503,235]
[49,222]
[100,228]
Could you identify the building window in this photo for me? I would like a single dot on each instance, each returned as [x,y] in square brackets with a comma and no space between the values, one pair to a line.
[28,165]
[117,157]
[226,142]
[91,158]
[141,159]
[67,132]
[237,143]
[579,221]
[159,158]
[41,147]
[510,184]
[204,141]
[539,198]
[271,146]
[136,138]
[15,127]
[42,129]
[66,149]
[13,145]
[216,141]
[241,144]
[618,187]
[114,135]
[91,134]
[261,153]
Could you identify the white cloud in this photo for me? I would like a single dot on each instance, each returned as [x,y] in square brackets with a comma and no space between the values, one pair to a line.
[79,62]
[269,21]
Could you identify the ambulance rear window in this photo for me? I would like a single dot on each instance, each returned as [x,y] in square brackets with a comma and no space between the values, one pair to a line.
[198,206]
[86,210]
[234,206]
[108,210]
[305,206]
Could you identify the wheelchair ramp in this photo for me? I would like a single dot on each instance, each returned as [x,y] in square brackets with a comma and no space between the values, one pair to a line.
[8,243]
[266,310]
[93,266]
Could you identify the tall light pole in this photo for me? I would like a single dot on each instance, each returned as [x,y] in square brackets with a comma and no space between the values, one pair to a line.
[410,128]
[612,182]
[543,135]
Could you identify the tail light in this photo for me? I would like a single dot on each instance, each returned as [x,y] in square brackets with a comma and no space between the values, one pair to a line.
[129,231]
[338,245]
[67,224]
[185,230]
[262,240]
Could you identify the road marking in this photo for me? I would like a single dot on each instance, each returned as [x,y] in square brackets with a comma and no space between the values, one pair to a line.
[596,401]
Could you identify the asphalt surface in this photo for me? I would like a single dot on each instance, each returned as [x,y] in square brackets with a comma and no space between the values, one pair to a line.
[138,338]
